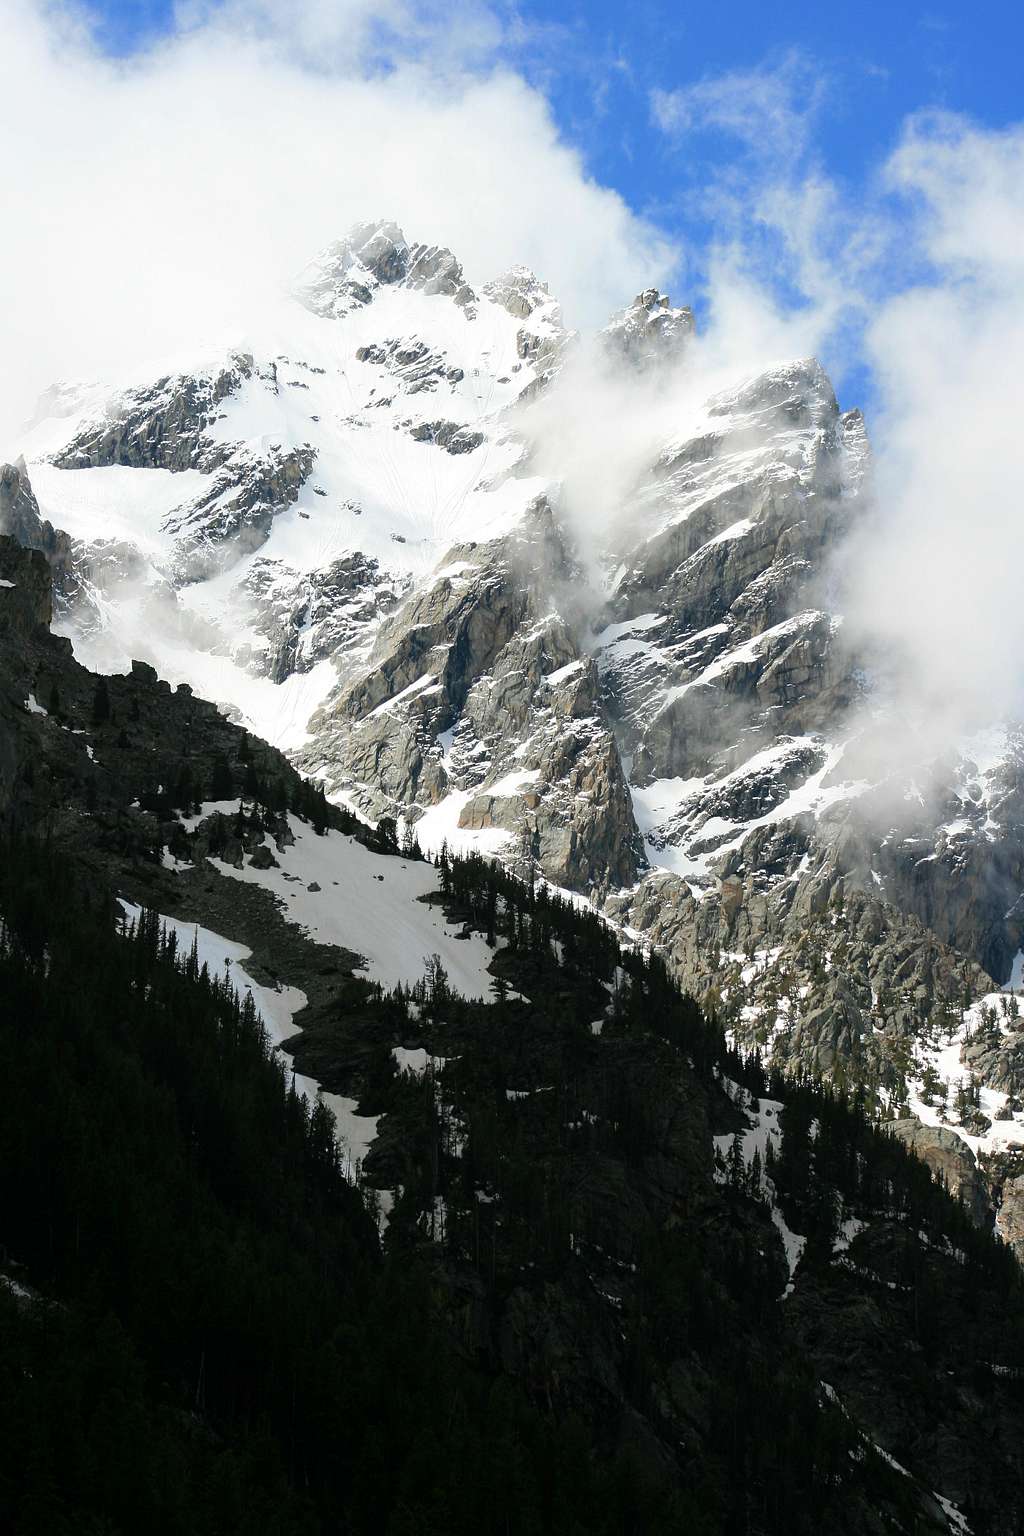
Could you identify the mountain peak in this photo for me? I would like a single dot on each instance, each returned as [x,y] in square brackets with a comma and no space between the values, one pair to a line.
[348,272]
[520,291]
[649,330]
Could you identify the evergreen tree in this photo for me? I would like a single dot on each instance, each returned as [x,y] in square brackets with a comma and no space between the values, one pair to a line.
[222,786]
[101,701]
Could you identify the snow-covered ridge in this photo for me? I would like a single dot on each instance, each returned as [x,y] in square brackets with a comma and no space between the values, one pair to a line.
[343,447]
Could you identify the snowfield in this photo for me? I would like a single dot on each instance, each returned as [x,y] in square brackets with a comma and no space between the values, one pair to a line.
[943,1059]
[762,1126]
[371,904]
[116,503]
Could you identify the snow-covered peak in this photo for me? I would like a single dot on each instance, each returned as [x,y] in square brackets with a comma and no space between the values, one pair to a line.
[649,330]
[280,522]
[521,292]
[348,272]
[798,387]
[241,511]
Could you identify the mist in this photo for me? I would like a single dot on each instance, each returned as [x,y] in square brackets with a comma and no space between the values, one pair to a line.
[600,426]
[172,196]
[927,301]
[933,578]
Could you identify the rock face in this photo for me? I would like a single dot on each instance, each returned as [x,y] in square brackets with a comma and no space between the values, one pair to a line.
[237,512]
[372,256]
[476,697]
[26,591]
[951,1159]
[729,649]
[309,617]
[566,801]
[347,544]
[20,520]
[649,330]
[1010,1216]
[173,425]
[162,426]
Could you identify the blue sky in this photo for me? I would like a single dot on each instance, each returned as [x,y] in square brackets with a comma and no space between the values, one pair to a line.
[881,61]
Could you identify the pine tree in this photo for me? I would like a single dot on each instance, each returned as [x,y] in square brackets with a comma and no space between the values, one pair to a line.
[222,785]
[735,1167]
[251,787]
[101,702]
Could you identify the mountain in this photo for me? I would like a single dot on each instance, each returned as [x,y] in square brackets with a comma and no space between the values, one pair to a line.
[349,1189]
[341,534]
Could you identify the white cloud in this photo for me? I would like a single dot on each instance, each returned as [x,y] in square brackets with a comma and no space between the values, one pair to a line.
[162,197]
[935,576]
[352,34]
[770,109]
[779,228]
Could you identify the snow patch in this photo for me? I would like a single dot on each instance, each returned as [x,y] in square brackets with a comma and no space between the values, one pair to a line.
[369,904]
[762,1127]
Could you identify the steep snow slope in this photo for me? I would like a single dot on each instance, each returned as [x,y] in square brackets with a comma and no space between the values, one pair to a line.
[277,1008]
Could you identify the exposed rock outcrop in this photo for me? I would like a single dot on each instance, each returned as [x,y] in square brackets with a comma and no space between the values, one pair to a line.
[949,1156]
[649,330]
[163,427]
[20,520]
[26,591]
[375,255]
[482,658]
[1010,1215]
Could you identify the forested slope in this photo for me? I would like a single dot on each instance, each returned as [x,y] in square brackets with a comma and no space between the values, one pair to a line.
[597,1274]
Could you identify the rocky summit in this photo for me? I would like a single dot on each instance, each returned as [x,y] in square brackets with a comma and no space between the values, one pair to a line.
[342,533]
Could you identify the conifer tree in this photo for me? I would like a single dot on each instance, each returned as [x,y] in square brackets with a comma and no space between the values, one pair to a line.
[101,701]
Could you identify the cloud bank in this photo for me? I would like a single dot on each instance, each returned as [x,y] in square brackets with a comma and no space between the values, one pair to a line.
[166,195]
[935,573]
